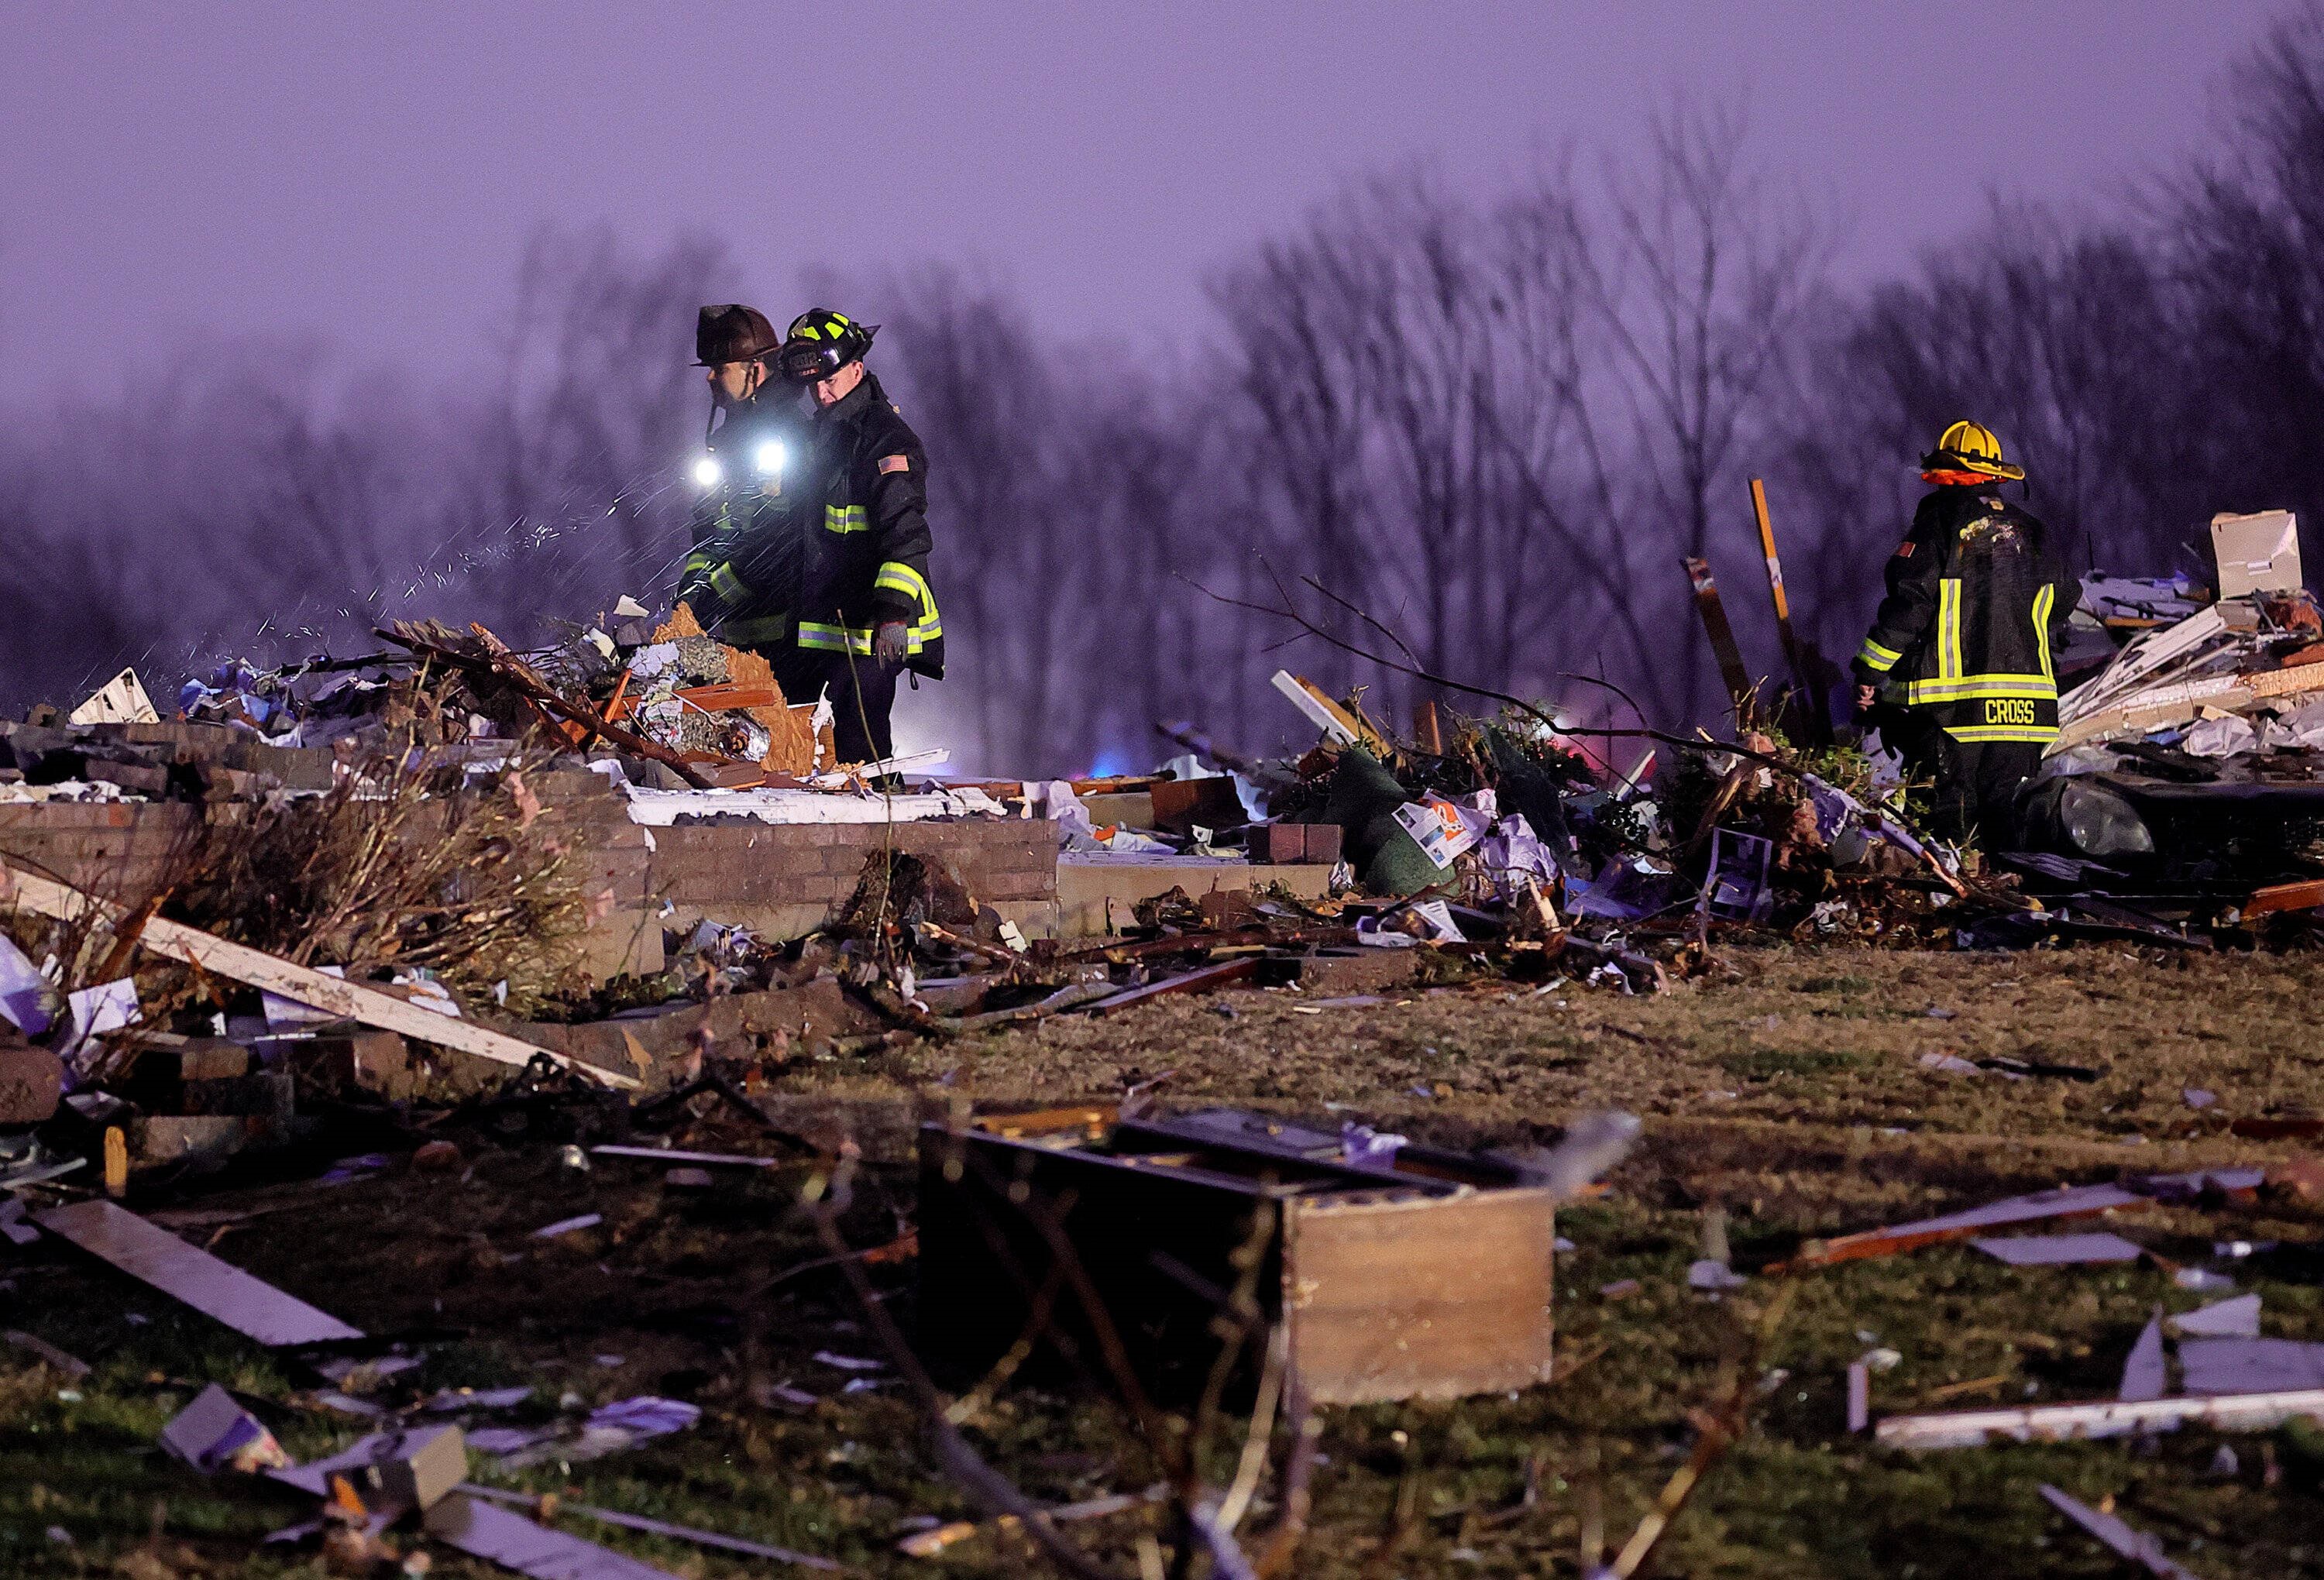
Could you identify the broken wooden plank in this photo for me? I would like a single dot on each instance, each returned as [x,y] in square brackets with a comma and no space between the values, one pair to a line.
[2306,896]
[256,968]
[1732,672]
[218,1290]
[501,1536]
[2073,1201]
[1195,981]
[671,1155]
[2063,1423]
[686,1533]
[1806,683]
[47,1354]
[520,675]
[2119,1537]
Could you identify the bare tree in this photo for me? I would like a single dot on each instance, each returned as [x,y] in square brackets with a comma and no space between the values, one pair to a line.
[1701,290]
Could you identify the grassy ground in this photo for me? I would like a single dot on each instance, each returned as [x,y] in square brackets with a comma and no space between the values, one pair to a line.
[1787,1089]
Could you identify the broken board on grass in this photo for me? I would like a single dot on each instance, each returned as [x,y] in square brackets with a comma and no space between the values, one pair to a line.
[504,1537]
[152,1255]
[2123,1540]
[2065,1423]
[256,968]
[2070,1202]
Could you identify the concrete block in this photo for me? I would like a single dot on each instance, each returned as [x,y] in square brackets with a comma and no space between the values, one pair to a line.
[367,1059]
[30,1079]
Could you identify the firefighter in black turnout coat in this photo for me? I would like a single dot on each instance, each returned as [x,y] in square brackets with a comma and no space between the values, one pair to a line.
[812,542]
[866,607]
[740,576]
[1957,669]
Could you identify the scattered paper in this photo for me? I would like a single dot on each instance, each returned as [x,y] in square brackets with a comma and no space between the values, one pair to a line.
[93,1011]
[1442,830]
[22,989]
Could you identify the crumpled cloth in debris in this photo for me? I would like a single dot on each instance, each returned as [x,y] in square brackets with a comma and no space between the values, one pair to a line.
[2225,736]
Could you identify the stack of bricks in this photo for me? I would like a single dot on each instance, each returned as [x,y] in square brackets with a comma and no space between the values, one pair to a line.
[779,879]
[785,880]
[123,850]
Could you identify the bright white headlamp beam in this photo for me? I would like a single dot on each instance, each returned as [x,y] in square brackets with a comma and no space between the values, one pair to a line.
[707,472]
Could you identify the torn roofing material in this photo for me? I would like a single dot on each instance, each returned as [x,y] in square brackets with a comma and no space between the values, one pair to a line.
[145,1252]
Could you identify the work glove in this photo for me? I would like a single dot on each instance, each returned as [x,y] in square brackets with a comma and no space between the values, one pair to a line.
[891,645]
[703,599]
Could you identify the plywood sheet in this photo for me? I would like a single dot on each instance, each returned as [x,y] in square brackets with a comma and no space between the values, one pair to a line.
[1394,1296]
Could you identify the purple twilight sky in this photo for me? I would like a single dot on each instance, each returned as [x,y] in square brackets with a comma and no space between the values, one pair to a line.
[371,171]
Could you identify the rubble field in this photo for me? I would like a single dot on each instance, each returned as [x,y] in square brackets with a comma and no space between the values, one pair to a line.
[1784,1088]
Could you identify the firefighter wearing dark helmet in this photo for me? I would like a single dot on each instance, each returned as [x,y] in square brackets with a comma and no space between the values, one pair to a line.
[866,608]
[1956,668]
[740,576]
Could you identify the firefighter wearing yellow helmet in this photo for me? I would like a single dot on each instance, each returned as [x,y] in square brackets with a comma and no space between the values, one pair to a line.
[867,611]
[1957,670]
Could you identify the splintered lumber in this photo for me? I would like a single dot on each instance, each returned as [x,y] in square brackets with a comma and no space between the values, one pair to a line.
[2121,1538]
[256,968]
[1320,710]
[2112,1418]
[504,1537]
[710,1538]
[1805,678]
[154,1255]
[2074,1201]
[929,1544]
[1198,981]
[535,690]
[2307,896]
[1732,672]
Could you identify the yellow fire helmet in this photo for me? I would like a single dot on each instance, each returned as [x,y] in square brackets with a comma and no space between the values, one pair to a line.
[1969,446]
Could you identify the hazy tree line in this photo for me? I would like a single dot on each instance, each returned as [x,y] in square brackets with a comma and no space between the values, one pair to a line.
[1494,425]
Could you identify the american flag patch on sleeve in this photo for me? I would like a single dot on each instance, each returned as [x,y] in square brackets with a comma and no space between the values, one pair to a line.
[1904,553]
[895,464]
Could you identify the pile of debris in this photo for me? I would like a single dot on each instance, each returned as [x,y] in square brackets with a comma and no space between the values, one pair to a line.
[2186,786]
